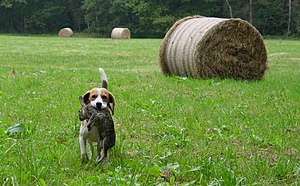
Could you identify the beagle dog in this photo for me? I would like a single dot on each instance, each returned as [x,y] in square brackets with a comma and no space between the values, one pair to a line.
[99,104]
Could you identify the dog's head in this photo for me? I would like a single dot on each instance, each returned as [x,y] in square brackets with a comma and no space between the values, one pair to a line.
[100,98]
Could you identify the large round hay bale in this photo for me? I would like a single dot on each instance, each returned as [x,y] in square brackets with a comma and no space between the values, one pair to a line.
[120,33]
[65,32]
[205,47]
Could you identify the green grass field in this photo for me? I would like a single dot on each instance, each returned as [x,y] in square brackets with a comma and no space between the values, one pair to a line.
[170,130]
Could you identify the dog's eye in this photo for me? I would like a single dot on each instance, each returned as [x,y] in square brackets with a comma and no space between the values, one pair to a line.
[94,96]
[104,97]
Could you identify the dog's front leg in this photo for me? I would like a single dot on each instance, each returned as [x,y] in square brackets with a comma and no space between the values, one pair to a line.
[99,149]
[105,152]
[91,148]
[82,143]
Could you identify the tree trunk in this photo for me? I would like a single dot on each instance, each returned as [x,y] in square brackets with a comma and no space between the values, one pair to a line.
[98,24]
[290,15]
[250,11]
[230,10]
[25,24]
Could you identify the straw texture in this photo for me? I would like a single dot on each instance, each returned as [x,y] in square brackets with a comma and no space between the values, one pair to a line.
[120,33]
[206,47]
[65,32]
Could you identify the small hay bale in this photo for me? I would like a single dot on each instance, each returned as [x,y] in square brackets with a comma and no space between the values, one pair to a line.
[65,32]
[120,33]
[206,47]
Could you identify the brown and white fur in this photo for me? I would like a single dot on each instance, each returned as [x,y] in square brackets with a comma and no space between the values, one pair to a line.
[99,98]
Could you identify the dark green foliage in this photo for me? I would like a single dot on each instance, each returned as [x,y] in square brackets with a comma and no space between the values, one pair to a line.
[145,18]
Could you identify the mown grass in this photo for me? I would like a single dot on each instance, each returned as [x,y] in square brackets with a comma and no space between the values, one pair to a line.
[170,130]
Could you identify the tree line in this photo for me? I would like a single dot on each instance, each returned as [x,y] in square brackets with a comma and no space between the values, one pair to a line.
[144,18]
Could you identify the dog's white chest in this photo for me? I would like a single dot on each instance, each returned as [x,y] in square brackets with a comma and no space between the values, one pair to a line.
[92,135]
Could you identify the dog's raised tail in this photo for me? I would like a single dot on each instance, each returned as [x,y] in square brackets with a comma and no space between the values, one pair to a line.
[103,78]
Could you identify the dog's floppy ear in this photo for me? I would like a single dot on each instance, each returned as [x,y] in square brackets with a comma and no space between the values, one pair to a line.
[81,100]
[86,97]
[113,102]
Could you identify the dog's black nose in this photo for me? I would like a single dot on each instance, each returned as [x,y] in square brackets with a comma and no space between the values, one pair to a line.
[98,105]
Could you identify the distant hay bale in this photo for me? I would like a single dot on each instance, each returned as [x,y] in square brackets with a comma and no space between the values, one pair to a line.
[206,47]
[120,33]
[65,32]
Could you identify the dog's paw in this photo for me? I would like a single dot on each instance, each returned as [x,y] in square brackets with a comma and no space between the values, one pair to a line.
[84,158]
[99,160]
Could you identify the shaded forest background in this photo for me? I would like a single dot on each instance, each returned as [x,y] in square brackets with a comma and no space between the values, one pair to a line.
[145,18]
